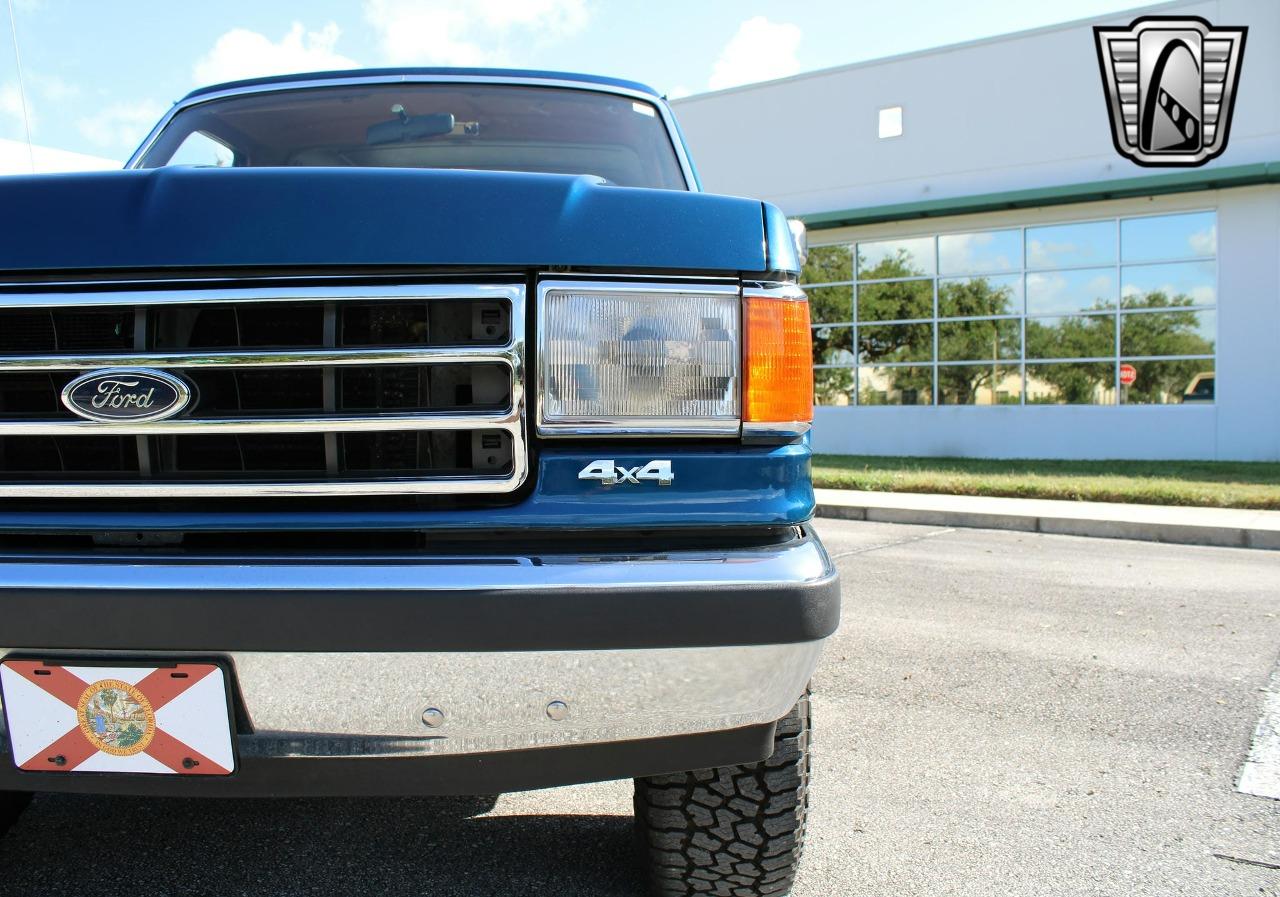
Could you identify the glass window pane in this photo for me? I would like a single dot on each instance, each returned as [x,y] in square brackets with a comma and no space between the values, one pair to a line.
[830,305]
[980,340]
[201,149]
[980,252]
[1188,382]
[833,386]
[1087,289]
[1159,286]
[833,345]
[1078,383]
[1167,333]
[1159,237]
[1063,245]
[895,342]
[828,264]
[1081,336]
[895,301]
[895,258]
[979,384]
[895,386]
[965,297]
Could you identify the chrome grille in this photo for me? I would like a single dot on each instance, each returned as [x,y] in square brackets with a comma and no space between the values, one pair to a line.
[300,390]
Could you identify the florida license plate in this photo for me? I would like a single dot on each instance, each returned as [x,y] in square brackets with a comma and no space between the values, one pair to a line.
[167,719]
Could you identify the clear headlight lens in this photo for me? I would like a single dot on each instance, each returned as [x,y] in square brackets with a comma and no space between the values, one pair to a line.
[618,361]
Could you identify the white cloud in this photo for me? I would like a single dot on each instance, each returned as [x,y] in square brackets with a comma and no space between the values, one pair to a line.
[241,53]
[468,32]
[760,51]
[11,103]
[678,92]
[121,125]
[1204,242]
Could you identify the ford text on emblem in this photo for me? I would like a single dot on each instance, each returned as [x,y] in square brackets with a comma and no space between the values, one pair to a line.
[126,395]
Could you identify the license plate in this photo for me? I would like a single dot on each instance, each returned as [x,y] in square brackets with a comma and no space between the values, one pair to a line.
[166,719]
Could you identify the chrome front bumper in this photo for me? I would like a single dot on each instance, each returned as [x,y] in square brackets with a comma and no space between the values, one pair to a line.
[373,704]
[342,657]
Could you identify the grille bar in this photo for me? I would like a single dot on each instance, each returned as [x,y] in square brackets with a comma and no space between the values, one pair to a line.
[475,377]
[267,358]
[338,423]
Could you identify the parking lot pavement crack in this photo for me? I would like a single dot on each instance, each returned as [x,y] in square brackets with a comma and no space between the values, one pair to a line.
[883,545]
[1246,862]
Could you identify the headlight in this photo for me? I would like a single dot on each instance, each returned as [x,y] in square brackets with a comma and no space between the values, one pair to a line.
[644,359]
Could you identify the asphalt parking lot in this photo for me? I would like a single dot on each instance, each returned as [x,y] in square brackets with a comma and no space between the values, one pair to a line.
[1000,713]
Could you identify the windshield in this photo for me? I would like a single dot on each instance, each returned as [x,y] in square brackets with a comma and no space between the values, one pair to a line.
[493,127]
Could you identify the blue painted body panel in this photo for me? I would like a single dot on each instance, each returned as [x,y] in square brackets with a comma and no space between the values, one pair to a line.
[733,486]
[329,217]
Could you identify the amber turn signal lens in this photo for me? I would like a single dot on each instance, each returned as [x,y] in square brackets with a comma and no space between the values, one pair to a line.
[777,360]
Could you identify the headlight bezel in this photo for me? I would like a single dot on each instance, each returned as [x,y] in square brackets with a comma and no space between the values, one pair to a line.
[637,426]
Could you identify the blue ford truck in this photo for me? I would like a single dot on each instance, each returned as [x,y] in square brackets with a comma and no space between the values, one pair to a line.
[413,432]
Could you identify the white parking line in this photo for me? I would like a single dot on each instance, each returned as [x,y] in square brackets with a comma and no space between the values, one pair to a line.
[1260,774]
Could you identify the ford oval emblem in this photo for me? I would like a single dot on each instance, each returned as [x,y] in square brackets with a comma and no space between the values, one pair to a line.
[126,395]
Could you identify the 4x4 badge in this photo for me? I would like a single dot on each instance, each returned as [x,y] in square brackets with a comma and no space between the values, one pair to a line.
[609,473]
[1170,83]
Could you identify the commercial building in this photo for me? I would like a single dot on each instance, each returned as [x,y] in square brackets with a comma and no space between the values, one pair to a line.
[990,277]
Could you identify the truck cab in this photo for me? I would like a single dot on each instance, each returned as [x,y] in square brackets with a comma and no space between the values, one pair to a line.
[409,432]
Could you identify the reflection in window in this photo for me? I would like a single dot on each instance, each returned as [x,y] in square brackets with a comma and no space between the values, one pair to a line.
[1071,383]
[1153,286]
[1078,336]
[895,386]
[1160,237]
[1173,382]
[895,258]
[1072,245]
[830,305]
[1085,289]
[899,301]
[895,342]
[1167,333]
[973,297]
[998,339]
[832,345]
[980,252]
[979,384]
[960,315]
[833,386]
[828,264]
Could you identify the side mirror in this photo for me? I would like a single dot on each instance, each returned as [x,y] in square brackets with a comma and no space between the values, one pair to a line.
[800,236]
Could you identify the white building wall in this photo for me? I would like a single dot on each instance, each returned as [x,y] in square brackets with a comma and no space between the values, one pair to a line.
[1019,112]
[1242,424]
[1022,111]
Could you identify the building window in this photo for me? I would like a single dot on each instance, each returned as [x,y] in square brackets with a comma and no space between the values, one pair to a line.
[891,122]
[1118,311]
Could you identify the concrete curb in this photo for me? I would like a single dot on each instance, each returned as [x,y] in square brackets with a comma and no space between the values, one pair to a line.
[1150,523]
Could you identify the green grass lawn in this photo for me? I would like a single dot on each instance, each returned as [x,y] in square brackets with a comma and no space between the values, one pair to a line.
[1215,484]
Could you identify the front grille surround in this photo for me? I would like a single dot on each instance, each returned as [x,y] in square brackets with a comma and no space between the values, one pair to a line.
[474,425]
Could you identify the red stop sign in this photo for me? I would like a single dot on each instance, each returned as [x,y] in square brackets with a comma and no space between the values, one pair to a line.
[1128,374]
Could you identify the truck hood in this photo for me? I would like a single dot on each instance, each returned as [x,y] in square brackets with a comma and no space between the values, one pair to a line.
[324,218]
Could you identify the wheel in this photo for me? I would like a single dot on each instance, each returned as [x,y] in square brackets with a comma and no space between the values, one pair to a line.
[12,803]
[732,831]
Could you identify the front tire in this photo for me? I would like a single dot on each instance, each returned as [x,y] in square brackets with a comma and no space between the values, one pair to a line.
[731,831]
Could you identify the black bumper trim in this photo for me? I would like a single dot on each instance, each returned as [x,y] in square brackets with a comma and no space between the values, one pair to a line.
[748,597]
[460,774]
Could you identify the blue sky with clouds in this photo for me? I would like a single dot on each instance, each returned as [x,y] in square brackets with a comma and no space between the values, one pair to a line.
[98,74]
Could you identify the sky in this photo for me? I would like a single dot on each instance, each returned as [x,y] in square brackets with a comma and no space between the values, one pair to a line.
[98,74]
